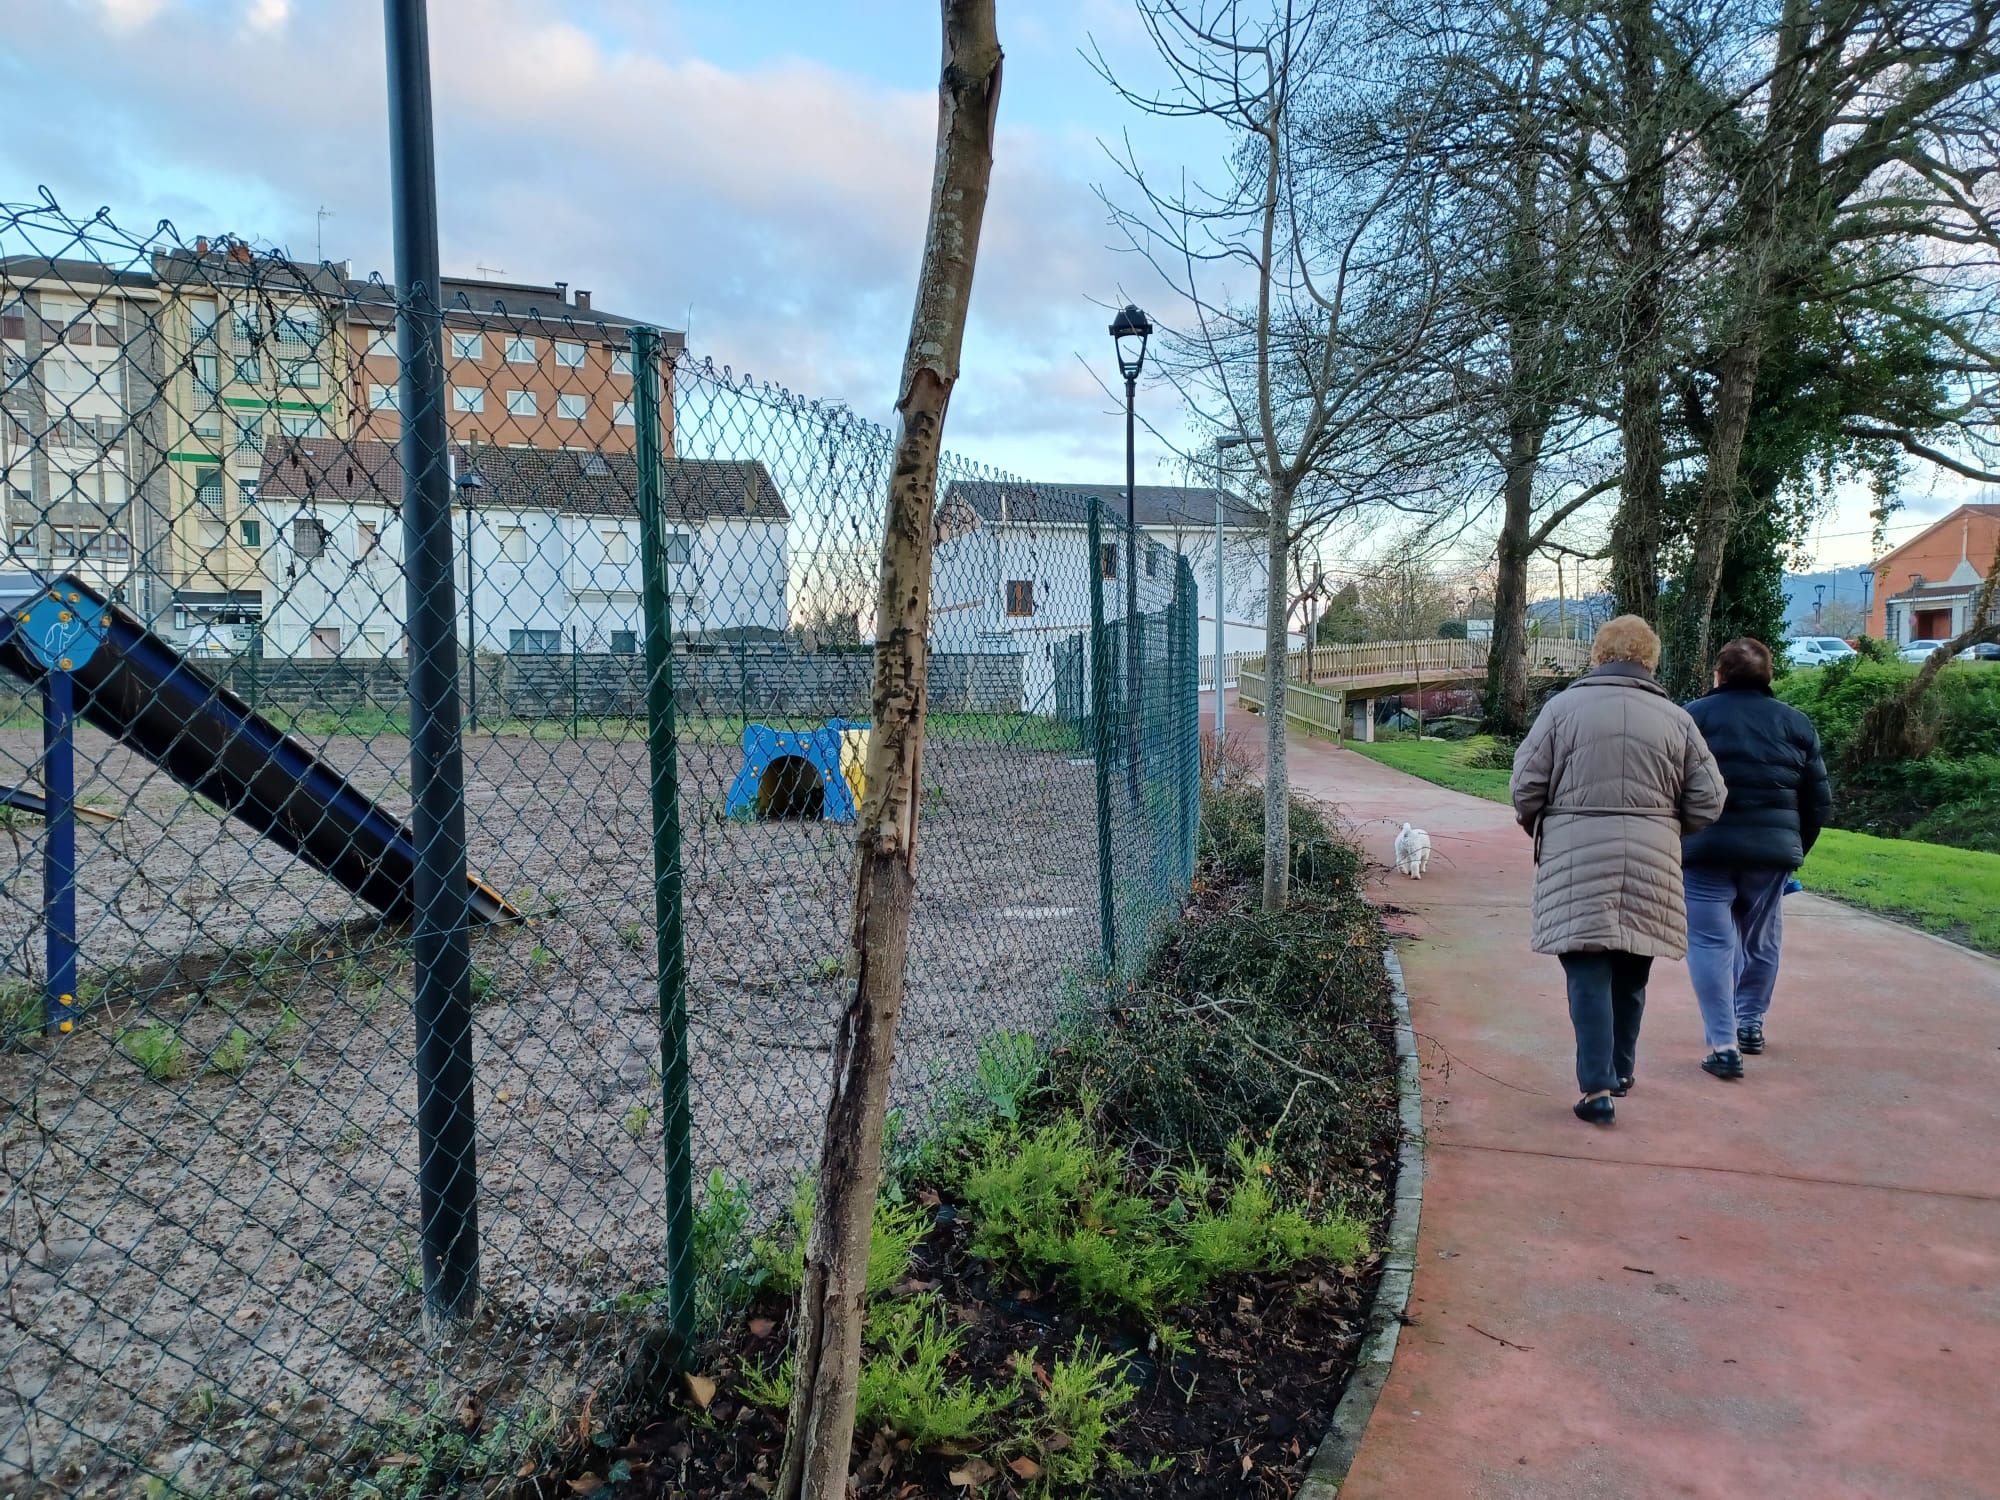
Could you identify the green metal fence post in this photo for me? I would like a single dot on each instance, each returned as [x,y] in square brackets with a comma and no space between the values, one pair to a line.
[668,931]
[1100,737]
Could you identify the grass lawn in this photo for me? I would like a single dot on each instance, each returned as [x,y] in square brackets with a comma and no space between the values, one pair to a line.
[1952,892]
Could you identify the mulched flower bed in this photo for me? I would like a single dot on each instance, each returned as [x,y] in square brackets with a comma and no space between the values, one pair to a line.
[1238,1415]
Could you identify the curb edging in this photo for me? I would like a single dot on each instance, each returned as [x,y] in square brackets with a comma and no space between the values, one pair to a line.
[1351,1415]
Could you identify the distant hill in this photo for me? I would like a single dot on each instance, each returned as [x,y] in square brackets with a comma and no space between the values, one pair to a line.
[1582,616]
[1840,604]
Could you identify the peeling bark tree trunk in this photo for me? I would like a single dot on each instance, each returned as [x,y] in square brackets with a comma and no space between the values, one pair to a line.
[1277,785]
[820,1434]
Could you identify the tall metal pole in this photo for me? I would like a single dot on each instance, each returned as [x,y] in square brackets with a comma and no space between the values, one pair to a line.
[1100,734]
[669,934]
[1132,635]
[1218,621]
[447,1170]
[471,625]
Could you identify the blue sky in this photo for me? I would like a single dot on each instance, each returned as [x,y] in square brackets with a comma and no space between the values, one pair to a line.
[756,172]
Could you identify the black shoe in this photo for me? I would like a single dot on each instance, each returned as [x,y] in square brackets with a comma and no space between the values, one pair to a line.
[1624,1088]
[1724,1064]
[1750,1038]
[1595,1111]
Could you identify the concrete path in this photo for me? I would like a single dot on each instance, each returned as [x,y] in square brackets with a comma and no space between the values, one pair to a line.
[1788,1286]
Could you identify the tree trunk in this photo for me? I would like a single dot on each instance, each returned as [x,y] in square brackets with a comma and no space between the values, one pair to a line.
[820,1434]
[1277,785]
[1507,653]
[1635,533]
[1687,641]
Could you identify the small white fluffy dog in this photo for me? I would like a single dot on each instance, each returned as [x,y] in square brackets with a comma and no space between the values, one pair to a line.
[1413,852]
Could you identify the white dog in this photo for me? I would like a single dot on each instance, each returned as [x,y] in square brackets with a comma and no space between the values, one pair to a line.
[1413,852]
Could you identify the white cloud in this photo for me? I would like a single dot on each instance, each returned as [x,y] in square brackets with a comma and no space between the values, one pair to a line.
[269,15]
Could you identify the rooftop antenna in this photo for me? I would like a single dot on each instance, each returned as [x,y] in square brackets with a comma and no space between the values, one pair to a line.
[489,272]
[319,232]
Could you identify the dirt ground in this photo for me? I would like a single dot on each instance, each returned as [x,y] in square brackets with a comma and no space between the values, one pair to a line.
[214,1271]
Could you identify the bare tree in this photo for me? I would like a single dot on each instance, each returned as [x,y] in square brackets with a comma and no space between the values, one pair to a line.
[820,1434]
[1304,288]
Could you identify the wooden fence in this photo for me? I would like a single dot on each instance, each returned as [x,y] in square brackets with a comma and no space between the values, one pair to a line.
[1400,662]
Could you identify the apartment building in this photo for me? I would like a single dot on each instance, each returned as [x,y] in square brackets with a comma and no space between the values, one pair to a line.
[253,349]
[525,367]
[83,484]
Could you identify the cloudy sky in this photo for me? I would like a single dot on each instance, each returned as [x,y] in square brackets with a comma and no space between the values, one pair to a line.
[753,172]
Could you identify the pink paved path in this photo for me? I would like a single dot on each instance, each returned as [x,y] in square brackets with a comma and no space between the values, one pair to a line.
[1788,1286]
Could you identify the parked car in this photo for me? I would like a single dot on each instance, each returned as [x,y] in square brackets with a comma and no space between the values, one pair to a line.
[1984,651]
[1817,650]
[1918,650]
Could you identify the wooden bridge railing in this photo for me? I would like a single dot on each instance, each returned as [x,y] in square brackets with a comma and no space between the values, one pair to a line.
[1402,661]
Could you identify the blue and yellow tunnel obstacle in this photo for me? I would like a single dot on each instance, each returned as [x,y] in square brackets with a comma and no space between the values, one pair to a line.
[814,774]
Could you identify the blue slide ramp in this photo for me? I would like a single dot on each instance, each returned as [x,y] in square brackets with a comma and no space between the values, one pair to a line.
[136,688]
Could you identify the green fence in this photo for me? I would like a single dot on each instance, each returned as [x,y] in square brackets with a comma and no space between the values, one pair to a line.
[214,1178]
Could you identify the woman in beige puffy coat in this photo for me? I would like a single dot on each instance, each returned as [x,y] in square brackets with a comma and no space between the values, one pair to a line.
[1613,773]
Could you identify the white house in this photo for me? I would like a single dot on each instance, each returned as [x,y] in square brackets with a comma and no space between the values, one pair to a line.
[547,542]
[1013,568]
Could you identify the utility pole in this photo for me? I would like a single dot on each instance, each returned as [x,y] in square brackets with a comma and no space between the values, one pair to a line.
[1221,608]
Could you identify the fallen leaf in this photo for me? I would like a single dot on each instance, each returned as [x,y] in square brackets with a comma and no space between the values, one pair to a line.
[1249,1463]
[760,1328]
[1057,1442]
[587,1484]
[974,1474]
[701,1388]
[1025,1467]
[470,1412]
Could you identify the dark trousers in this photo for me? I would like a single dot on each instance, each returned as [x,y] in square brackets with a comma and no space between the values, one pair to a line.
[1607,999]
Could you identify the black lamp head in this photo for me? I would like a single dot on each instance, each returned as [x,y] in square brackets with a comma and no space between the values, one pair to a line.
[1130,330]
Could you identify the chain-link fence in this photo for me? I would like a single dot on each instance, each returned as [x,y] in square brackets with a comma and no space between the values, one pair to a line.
[214,1163]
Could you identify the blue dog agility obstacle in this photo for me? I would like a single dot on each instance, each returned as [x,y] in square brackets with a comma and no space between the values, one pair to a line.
[788,774]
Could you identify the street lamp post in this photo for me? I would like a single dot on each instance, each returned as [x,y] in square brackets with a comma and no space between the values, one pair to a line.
[468,486]
[1819,604]
[1129,332]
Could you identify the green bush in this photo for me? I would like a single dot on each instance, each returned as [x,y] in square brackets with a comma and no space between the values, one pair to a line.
[1936,800]
[1964,702]
[1053,1201]
[1232,841]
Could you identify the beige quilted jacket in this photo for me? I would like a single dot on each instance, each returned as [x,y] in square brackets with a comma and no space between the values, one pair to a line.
[1607,781]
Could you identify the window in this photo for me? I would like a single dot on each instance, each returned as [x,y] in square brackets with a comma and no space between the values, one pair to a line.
[678,549]
[1152,562]
[201,315]
[108,334]
[208,488]
[520,403]
[514,543]
[569,356]
[621,413]
[301,424]
[207,374]
[572,408]
[299,331]
[382,398]
[249,369]
[113,545]
[1107,559]
[246,491]
[624,642]
[247,327]
[621,362]
[252,533]
[468,346]
[520,351]
[304,373]
[14,321]
[1021,597]
[366,538]
[308,537]
[468,398]
[249,436]
[382,344]
[617,545]
[541,642]
[208,424]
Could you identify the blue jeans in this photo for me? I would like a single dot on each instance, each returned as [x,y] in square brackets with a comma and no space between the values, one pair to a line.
[1735,926]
